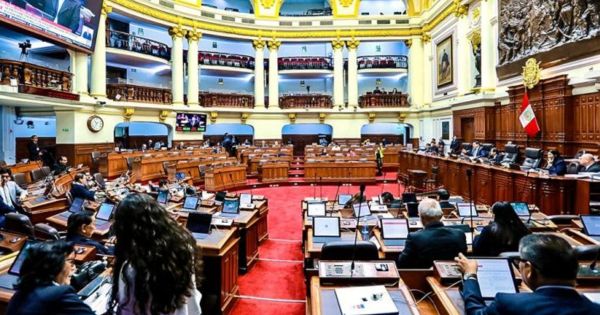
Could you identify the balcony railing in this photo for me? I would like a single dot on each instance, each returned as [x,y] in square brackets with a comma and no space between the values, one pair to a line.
[225,60]
[383,62]
[126,41]
[34,79]
[305,63]
[372,100]
[211,99]
[136,93]
[305,101]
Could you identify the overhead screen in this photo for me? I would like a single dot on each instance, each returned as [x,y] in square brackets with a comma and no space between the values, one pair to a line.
[74,22]
[190,122]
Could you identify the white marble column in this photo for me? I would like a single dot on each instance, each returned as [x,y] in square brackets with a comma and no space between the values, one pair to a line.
[81,72]
[193,71]
[177,34]
[338,72]
[488,63]
[352,46]
[464,60]
[259,73]
[98,84]
[415,70]
[273,73]
[429,81]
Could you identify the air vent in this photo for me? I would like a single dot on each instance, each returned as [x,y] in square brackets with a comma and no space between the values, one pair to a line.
[208,14]
[401,21]
[166,4]
[285,23]
[248,21]
[306,23]
[326,23]
[228,18]
[365,22]
[383,22]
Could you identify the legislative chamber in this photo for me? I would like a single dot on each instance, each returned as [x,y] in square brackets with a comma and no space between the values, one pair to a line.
[355,157]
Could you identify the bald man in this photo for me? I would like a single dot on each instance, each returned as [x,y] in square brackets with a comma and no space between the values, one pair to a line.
[587,164]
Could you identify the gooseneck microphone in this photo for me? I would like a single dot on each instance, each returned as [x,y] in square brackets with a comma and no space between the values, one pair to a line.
[471,201]
[360,198]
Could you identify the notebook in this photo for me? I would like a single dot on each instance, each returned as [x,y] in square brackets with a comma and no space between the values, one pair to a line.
[190,203]
[591,225]
[495,275]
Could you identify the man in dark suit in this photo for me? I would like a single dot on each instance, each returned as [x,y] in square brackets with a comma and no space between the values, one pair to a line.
[79,189]
[478,151]
[434,242]
[35,153]
[455,145]
[587,164]
[66,12]
[62,165]
[548,266]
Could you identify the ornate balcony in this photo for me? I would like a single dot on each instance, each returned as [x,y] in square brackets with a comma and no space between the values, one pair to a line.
[225,60]
[34,79]
[372,100]
[305,63]
[305,101]
[211,99]
[139,94]
[126,41]
[383,62]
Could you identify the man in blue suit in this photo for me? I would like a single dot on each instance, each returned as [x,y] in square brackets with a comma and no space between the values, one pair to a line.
[478,151]
[548,266]
[79,189]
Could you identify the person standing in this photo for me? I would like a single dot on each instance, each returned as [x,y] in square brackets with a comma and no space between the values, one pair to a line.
[35,154]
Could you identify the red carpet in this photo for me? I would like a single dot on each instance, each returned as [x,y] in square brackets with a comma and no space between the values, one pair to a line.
[278,275]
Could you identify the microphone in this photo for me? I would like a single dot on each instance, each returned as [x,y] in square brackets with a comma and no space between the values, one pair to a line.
[315,187]
[362,191]
[471,201]
[321,187]
[382,186]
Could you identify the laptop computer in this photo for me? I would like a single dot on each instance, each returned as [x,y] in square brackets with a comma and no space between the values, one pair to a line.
[361,210]
[9,279]
[495,275]
[76,206]
[343,199]
[315,209]
[190,203]
[394,231]
[231,208]
[199,224]
[246,201]
[103,216]
[464,210]
[163,197]
[521,209]
[591,225]
[326,229]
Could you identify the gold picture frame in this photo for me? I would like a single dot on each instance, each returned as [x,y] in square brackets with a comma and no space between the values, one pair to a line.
[444,62]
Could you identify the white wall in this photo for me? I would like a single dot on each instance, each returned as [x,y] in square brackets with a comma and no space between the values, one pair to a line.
[323,86]
[367,83]
[305,49]
[42,127]
[229,46]
[382,48]
[244,85]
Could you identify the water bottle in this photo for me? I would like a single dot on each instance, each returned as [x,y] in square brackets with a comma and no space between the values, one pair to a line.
[364,231]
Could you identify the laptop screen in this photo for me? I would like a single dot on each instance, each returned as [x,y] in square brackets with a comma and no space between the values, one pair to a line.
[191,202]
[326,226]
[231,206]
[464,209]
[343,199]
[521,208]
[394,228]
[495,276]
[245,199]
[76,205]
[315,209]
[163,197]
[105,211]
[591,223]
[15,268]
[363,208]
[199,222]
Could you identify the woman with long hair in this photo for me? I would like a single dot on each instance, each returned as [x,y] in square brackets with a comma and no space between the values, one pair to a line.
[157,264]
[502,234]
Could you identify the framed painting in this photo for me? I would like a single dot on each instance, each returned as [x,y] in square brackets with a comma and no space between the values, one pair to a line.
[444,58]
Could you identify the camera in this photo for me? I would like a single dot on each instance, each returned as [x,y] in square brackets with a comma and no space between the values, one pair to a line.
[24,46]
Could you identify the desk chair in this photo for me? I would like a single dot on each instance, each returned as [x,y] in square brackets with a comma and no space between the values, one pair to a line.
[563,220]
[511,153]
[20,180]
[587,252]
[533,158]
[343,250]
[19,223]
[44,231]
[37,174]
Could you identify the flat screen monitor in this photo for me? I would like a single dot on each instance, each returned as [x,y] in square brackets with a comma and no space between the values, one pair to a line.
[105,211]
[198,222]
[495,276]
[231,206]
[245,199]
[361,210]
[409,197]
[70,22]
[15,268]
[190,203]
[591,224]
[187,122]
[466,209]
[163,197]
[76,205]
[521,208]
[343,199]
[394,228]
[326,226]
[315,209]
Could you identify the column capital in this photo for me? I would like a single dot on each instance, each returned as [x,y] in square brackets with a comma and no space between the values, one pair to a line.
[337,44]
[193,35]
[258,44]
[460,10]
[106,9]
[273,44]
[352,44]
[426,37]
[475,37]
[177,31]
[408,42]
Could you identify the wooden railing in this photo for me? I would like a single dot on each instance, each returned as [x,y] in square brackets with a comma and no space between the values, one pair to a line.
[303,63]
[227,60]
[371,100]
[30,75]
[383,62]
[122,40]
[305,101]
[136,93]
[210,99]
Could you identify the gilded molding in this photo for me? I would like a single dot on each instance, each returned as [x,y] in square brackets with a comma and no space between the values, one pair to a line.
[193,35]
[426,37]
[322,117]
[106,9]
[128,113]
[402,117]
[408,43]
[372,117]
[475,37]
[213,117]
[244,117]
[273,44]
[163,114]
[531,73]
[258,44]
[337,44]
[292,117]
[459,9]
[346,3]
[352,43]
[177,31]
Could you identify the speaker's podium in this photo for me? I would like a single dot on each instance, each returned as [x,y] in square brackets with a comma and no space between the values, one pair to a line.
[329,291]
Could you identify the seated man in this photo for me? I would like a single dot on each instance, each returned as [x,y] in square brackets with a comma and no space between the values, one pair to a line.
[434,242]
[548,266]
[12,195]
[79,188]
[61,166]
[587,164]
[477,151]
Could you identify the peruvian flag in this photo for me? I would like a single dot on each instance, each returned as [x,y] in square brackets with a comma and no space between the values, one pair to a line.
[527,118]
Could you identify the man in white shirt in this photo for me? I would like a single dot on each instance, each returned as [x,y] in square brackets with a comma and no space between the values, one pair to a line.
[12,195]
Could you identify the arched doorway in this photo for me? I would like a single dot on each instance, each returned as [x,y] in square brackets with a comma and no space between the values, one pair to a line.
[242,132]
[302,134]
[391,132]
[132,135]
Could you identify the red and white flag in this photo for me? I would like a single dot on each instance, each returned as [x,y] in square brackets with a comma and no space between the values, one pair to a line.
[527,118]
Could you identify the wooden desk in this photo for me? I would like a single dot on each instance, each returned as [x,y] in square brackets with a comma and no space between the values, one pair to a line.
[25,169]
[12,241]
[247,224]
[316,172]
[60,222]
[273,172]
[227,177]
[263,223]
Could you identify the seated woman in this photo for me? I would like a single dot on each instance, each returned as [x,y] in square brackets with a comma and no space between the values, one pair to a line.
[43,286]
[156,261]
[556,164]
[502,234]
[80,227]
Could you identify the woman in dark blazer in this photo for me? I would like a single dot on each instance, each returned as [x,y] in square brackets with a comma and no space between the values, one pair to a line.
[80,228]
[43,286]
[556,164]
[502,234]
